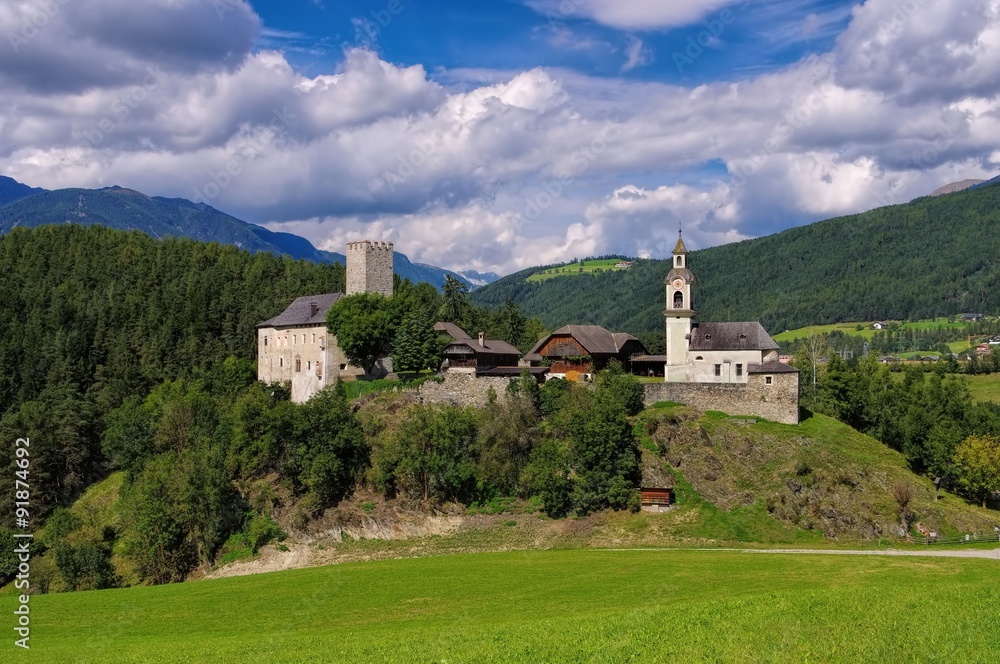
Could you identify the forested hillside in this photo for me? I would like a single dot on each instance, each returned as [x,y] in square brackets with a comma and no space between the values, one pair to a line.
[90,316]
[931,257]
[126,209]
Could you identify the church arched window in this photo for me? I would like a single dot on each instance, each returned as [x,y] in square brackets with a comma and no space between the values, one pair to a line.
[678,300]
[678,259]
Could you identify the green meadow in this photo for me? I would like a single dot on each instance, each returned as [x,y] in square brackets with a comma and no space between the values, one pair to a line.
[545,606]
[866,331]
[572,269]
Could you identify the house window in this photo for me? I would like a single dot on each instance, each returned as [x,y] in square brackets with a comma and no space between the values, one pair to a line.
[768,380]
[298,365]
[678,300]
[739,370]
[718,369]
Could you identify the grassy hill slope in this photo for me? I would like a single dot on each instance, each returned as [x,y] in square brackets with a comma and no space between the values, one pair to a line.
[931,257]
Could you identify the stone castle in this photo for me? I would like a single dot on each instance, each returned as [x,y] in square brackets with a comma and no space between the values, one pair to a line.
[729,367]
[295,346]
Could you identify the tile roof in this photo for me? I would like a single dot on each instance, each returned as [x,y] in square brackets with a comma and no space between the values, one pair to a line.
[730,336]
[308,310]
[490,346]
[771,367]
[452,330]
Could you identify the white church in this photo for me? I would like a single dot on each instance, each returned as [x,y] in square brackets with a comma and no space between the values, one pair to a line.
[711,352]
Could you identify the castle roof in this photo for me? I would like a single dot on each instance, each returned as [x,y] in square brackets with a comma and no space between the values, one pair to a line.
[307,310]
[731,336]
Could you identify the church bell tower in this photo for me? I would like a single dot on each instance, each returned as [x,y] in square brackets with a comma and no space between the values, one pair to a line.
[679,314]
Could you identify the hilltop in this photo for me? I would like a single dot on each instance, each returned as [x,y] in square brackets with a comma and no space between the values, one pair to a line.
[158,217]
[928,258]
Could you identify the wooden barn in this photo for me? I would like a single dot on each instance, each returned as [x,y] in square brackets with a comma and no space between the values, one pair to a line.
[584,349]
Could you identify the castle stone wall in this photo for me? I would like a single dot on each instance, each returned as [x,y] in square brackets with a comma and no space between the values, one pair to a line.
[777,402]
[369,267]
[463,389]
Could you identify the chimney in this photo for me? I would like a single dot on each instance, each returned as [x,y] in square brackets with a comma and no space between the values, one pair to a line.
[482,340]
[313,309]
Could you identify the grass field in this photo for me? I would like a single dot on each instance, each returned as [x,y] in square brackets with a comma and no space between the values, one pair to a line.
[866,330]
[546,606]
[985,388]
[572,269]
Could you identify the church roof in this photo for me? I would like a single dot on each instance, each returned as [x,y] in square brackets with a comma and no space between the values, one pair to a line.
[731,336]
[681,272]
[680,248]
[307,310]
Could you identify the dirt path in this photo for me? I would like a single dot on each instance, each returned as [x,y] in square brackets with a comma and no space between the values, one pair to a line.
[938,553]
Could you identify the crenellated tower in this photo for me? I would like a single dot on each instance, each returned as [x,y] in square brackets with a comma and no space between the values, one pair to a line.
[369,267]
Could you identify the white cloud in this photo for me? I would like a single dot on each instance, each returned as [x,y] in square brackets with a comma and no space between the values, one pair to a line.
[497,170]
[630,14]
[636,55]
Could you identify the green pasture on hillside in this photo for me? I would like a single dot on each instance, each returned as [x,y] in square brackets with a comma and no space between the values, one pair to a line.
[545,606]
[571,269]
[866,331]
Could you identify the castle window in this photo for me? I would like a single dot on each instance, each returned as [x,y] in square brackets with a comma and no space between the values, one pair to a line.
[699,358]
[281,361]
[768,380]
[718,369]
[298,365]
[314,337]
[739,370]
[309,365]
[678,300]
[265,342]
[343,366]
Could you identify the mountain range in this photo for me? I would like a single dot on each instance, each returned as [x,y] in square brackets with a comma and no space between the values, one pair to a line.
[127,209]
[934,256]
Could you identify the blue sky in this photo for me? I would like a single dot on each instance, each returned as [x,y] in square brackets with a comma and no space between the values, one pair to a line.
[499,134]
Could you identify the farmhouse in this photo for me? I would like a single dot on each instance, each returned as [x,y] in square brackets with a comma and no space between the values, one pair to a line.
[295,345]
[481,356]
[583,349]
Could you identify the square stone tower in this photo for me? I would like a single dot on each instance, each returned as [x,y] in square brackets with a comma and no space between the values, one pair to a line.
[369,267]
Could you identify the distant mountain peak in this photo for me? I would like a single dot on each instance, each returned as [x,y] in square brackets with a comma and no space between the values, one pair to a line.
[961,185]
